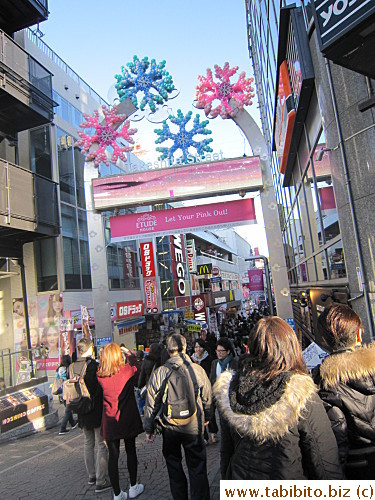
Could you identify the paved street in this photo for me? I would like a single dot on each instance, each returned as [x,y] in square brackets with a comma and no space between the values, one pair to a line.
[47,465]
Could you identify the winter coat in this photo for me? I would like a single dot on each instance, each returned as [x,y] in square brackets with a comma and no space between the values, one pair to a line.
[121,419]
[155,391]
[205,363]
[347,388]
[93,419]
[233,365]
[275,431]
[146,370]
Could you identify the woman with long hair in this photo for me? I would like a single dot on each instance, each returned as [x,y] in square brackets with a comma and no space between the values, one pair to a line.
[274,425]
[121,419]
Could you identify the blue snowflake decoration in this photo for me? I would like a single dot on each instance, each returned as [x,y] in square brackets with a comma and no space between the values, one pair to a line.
[155,84]
[184,138]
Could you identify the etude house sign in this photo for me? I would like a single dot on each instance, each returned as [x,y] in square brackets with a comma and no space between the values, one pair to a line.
[183,220]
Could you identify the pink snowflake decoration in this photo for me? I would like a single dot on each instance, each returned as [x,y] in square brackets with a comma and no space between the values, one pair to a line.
[208,91]
[105,135]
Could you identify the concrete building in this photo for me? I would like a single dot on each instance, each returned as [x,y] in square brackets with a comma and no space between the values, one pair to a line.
[318,121]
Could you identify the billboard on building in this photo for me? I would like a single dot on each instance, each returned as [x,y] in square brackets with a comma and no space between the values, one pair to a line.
[199,308]
[147,258]
[151,295]
[198,180]
[191,255]
[177,246]
[182,219]
[256,283]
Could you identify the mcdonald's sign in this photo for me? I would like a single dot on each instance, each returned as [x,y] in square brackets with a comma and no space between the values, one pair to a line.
[204,269]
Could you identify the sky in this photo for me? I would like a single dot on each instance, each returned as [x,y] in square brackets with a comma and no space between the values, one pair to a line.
[96,38]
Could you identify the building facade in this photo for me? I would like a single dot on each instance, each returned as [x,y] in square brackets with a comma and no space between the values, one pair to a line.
[322,139]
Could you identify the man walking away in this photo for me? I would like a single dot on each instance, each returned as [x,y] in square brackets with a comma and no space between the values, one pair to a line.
[96,463]
[168,386]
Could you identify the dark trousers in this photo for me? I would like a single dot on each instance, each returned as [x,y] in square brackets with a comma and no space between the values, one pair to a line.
[68,417]
[113,456]
[195,455]
[212,426]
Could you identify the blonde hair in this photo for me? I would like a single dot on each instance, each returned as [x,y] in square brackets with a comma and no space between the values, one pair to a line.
[111,360]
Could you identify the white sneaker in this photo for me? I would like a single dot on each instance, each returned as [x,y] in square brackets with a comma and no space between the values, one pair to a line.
[136,490]
[122,496]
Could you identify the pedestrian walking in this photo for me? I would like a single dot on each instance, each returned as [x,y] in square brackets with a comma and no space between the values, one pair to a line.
[347,387]
[95,450]
[121,419]
[273,423]
[226,360]
[62,374]
[181,384]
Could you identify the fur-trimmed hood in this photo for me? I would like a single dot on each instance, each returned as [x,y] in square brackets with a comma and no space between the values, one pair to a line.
[274,422]
[348,366]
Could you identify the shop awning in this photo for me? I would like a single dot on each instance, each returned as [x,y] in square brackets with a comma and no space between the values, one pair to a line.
[125,323]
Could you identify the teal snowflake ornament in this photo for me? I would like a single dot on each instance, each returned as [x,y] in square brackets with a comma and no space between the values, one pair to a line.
[184,139]
[147,77]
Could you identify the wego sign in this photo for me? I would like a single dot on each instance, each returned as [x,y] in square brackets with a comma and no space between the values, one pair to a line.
[178,258]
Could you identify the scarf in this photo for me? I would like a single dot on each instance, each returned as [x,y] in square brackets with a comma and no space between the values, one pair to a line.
[249,395]
[224,364]
[199,361]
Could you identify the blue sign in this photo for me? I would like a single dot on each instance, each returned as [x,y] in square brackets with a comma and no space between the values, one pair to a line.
[216,279]
[101,341]
[290,322]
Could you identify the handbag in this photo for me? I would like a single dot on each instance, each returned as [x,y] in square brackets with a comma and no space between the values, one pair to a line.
[57,386]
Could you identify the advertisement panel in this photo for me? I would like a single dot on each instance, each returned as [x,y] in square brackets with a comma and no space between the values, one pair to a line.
[191,255]
[199,308]
[127,310]
[182,219]
[204,269]
[198,180]
[177,246]
[129,259]
[147,258]
[151,295]
[256,283]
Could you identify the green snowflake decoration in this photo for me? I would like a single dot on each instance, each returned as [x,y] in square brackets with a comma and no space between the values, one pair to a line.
[147,77]
[184,138]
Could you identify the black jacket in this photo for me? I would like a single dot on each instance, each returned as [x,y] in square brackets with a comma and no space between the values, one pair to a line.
[232,365]
[93,419]
[347,388]
[146,370]
[290,437]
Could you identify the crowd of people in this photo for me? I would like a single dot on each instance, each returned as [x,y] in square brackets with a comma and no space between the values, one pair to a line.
[249,389]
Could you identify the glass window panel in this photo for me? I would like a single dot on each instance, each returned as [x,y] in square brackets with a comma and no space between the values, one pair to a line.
[46,267]
[336,261]
[70,247]
[40,151]
[321,266]
[66,170]
[79,165]
[84,249]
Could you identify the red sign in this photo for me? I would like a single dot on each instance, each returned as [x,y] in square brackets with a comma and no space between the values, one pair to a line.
[327,198]
[147,256]
[183,302]
[129,309]
[199,308]
[256,280]
[215,271]
[176,242]
[151,295]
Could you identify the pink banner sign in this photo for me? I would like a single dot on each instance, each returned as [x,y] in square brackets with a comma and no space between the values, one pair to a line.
[183,220]
[198,180]
[151,295]
[256,280]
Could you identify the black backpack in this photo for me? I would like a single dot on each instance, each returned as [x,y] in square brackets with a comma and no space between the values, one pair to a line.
[179,401]
[75,392]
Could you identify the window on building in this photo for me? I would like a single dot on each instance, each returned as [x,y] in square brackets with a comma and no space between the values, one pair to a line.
[46,268]
[69,230]
[40,151]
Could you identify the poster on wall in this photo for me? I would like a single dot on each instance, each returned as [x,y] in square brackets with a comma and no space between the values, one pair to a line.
[50,311]
[151,295]
[67,341]
[85,323]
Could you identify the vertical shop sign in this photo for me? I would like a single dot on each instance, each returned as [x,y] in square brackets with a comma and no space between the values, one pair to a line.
[151,295]
[177,246]
[67,342]
[256,283]
[199,308]
[147,257]
[129,265]
[191,255]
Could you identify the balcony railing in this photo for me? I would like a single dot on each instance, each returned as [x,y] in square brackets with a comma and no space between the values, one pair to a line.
[25,86]
[28,201]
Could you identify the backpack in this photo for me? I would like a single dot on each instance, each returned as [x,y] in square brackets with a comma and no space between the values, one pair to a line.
[179,401]
[75,392]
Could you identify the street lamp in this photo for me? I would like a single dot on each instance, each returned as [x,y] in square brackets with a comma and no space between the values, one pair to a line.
[268,279]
